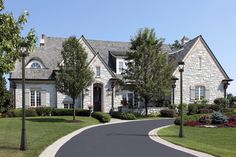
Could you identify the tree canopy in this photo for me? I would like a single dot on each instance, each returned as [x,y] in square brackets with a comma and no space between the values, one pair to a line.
[148,72]
[74,74]
[11,40]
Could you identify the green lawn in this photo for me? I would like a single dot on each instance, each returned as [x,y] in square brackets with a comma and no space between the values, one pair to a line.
[216,141]
[41,132]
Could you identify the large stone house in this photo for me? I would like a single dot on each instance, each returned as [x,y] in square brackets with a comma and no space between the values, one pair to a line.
[202,77]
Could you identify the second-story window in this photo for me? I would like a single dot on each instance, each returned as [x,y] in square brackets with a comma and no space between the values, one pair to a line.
[98,71]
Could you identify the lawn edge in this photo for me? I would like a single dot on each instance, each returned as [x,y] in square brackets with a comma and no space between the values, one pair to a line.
[154,136]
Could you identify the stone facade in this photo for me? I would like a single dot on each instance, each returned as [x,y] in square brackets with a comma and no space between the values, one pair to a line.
[200,70]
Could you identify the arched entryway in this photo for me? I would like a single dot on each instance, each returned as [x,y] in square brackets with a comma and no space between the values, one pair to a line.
[97,97]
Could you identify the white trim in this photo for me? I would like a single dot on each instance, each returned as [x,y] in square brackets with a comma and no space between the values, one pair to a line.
[34,61]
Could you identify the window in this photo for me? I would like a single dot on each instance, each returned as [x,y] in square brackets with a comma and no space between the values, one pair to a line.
[128,98]
[65,105]
[98,71]
[36,65]
[121,66]
[68,105]
[200,92]
[35,98]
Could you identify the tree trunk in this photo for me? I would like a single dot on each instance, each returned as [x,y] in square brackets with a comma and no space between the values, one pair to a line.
[73,108]
[146,107]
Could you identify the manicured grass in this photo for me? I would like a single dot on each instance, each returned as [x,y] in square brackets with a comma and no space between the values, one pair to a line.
[40,131]
[216,141]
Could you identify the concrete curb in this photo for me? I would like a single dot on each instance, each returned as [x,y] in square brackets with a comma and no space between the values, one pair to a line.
[52,149]
[153,135]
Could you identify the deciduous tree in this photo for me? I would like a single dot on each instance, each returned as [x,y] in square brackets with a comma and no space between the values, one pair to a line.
[74,74]
[148,72]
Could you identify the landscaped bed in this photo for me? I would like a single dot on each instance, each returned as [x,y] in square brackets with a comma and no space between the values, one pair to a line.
[41,132]
[216,141]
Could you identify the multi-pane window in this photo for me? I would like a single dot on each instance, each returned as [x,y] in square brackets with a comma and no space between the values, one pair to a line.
[35,65]
[200,92]
[128,98]
[98,71]
[68,105]
[35,98]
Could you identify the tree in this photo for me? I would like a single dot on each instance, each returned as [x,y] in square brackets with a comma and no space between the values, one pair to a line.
[148,72]
[176,46]
[11,39]
[74,75]
[5,96]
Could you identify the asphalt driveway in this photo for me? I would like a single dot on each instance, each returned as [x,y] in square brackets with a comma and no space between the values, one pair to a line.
[119,140]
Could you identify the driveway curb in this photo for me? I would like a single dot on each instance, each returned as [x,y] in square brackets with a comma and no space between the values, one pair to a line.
[52,149]
[153,135]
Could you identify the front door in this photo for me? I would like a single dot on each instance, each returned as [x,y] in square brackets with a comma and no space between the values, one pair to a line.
[97,97]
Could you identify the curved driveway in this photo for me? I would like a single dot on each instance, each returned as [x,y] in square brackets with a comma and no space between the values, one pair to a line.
[128,139]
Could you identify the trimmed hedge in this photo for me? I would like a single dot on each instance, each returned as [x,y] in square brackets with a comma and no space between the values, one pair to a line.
[123,115]
[69,112]
[168,113]
[43,111]
[102,117]
[30,112]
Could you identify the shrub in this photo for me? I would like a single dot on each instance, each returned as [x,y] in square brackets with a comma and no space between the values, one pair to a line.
[167,113]
[192,108]
[214,107]
[187,118]
[193,123]
[62,112]
[221,102]
[172,106]
[205,110]
[82,112]
[102,117]
[228,110]
[202,106]
[218,118]
[30,112]
[185,108]
[206,119]
[43,111]
[124,115]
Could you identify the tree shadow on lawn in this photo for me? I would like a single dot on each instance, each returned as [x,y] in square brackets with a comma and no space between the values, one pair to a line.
[53,120]
[46,119]
[9,148]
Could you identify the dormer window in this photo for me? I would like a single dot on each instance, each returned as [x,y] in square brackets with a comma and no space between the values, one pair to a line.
[35,65]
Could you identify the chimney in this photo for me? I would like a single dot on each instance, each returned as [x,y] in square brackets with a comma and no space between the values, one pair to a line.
[42,41]
[184,40]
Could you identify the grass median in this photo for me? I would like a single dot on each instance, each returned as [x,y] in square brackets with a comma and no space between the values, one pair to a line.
[216,141]
[40,132]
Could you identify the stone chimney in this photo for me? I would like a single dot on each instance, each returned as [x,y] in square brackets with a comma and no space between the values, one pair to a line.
[184,40]
[42,41]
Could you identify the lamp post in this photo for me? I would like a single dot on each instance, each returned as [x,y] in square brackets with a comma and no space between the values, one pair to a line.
[173,79]
[24,53]
[181,70]
[226,84]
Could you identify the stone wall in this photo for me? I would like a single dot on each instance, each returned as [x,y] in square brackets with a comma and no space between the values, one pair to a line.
[49,88]
[151,110]
[200,69]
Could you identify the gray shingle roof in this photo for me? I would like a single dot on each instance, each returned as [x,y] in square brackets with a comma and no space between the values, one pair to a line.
[50,55]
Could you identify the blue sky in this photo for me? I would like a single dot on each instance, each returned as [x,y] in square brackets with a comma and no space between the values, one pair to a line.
[120,19]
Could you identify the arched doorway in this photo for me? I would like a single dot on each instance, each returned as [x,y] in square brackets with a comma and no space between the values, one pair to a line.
[97,97]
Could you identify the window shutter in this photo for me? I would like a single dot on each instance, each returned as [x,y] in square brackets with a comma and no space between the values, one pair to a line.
[207,94]
[192,93]
[43,98]
[27,99]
